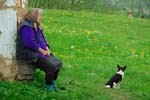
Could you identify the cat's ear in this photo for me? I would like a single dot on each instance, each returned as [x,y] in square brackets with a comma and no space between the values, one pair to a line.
[118,66]
[124,67]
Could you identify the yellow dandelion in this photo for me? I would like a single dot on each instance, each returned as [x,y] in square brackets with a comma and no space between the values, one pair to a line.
[133,51]
[142,54]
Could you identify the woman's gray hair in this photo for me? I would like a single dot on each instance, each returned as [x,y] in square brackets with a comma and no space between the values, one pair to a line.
[32,14]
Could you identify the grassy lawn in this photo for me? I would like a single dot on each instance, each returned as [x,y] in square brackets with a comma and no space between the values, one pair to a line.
[90,46]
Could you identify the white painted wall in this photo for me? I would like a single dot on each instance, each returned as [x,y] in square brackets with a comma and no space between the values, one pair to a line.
[10,13]
[10,3]
[8,27]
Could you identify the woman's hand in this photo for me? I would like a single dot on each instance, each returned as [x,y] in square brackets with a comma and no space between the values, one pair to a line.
[48,52]
[44,52]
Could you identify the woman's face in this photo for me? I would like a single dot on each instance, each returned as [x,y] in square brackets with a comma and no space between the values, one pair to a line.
[39,17]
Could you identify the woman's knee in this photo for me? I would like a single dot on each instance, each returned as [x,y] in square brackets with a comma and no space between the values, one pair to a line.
[50,69]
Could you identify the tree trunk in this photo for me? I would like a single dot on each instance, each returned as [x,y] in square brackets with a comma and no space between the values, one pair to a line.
[11,13]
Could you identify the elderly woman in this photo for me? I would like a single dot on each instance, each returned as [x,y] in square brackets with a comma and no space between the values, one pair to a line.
[31,47]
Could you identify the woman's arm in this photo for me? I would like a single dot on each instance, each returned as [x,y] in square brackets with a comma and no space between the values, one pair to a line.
[28,38]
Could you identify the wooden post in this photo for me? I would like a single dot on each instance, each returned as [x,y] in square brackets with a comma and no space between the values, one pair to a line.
[11,13]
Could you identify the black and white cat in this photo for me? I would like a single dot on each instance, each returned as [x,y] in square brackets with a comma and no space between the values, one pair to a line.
[115,80]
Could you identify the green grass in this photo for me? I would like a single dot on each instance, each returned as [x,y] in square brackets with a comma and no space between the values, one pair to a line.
[90,46]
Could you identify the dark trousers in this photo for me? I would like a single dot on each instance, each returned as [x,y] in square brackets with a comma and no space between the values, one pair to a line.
[51,66]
